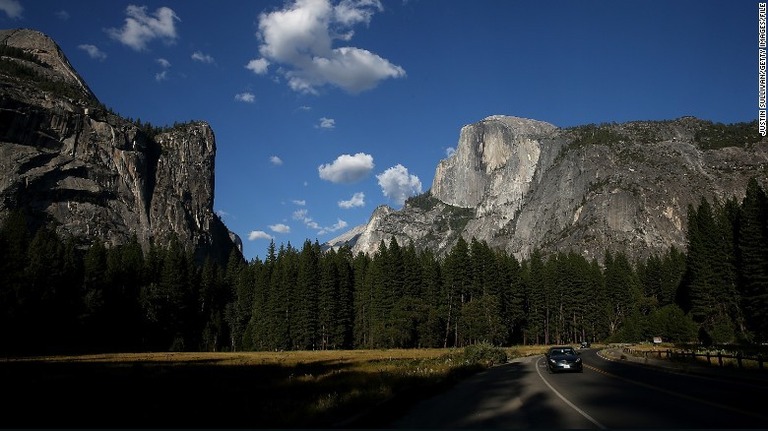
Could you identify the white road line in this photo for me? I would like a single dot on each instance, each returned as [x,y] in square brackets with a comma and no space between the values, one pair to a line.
[675,394]
[572,405]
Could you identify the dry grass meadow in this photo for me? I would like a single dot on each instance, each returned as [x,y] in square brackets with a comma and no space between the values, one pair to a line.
[355,388]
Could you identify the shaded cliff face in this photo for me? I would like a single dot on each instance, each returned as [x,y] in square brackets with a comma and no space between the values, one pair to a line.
[64,159]
[523,184]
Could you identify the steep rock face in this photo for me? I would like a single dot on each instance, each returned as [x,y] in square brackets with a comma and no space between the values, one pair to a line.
[65,159]
[495,148]
[522,184]
[55,66]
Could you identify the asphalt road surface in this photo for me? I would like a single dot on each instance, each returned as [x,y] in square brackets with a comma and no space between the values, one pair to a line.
[608,394]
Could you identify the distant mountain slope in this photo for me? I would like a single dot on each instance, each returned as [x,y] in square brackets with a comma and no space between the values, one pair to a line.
[66,159]
[522,184]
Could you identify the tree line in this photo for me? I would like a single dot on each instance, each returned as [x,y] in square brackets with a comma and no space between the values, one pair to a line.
[58,297]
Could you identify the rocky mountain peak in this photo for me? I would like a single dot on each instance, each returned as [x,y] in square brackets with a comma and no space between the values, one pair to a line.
[495,146]
[50,62]
[66,160]
[522,185]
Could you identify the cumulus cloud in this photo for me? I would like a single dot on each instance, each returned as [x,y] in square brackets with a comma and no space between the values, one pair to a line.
[202,58]
[277,161]
[280,228]
[357,200]
[303,216]
[300,37]
[245,97]
[397,184]
[326,123]
[93,51]
[347,169]
[165,64]
[259,234]
[12,8]
[258,66]
[140,28]
[340,224]
[298,202]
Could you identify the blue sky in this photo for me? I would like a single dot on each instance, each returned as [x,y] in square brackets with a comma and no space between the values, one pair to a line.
[325,109]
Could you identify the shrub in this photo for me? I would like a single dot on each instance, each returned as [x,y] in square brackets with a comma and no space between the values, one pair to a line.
[485,354]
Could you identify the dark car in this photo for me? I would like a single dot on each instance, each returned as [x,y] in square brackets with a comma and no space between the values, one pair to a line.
[563,358]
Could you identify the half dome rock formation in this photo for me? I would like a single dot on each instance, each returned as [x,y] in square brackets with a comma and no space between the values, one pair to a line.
[522,185]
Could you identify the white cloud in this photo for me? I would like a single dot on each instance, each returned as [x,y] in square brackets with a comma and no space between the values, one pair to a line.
[202,58]
[300,37]
[161,76]
[340,224]
[93,51]
[326,123]
[300,203]
[303,216]
[277,161]
[140,29]
[357,200]
[62,15]
[351,12]
[258,66]
[245,97]
[305,108]
[12,8]
[450,151]
[165,64]
[347,169]
[397,184]
[259,234]
[280,228]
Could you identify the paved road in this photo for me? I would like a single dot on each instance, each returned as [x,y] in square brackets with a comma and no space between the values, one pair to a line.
[608,394]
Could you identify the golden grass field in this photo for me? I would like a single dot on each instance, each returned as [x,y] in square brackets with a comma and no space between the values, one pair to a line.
[230,389]
[285,358]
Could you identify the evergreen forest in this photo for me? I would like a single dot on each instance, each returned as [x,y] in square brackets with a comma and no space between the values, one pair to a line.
[58,297]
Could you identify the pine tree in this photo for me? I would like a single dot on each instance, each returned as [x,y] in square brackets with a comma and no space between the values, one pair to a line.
[673,270]
[328,303]
[536,301]
[456,284]
[512,297]
[304,324]
[377,302]
[94,284]
[363,296]
[237,312]
[710,274]
[341,332]
[622,288]
[753,260]
[431,328]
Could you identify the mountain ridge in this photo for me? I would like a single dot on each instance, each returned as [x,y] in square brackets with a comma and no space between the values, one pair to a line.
[66,159]
[522,185]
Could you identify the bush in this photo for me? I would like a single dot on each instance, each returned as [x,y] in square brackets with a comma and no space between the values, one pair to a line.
[485,354]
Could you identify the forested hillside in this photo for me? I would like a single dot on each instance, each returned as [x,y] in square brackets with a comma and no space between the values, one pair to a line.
[55,297]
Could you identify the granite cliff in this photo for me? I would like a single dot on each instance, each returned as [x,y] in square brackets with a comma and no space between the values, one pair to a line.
[66,159]
[521,185]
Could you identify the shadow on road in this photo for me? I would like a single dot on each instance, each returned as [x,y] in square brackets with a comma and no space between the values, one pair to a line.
[501,397]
